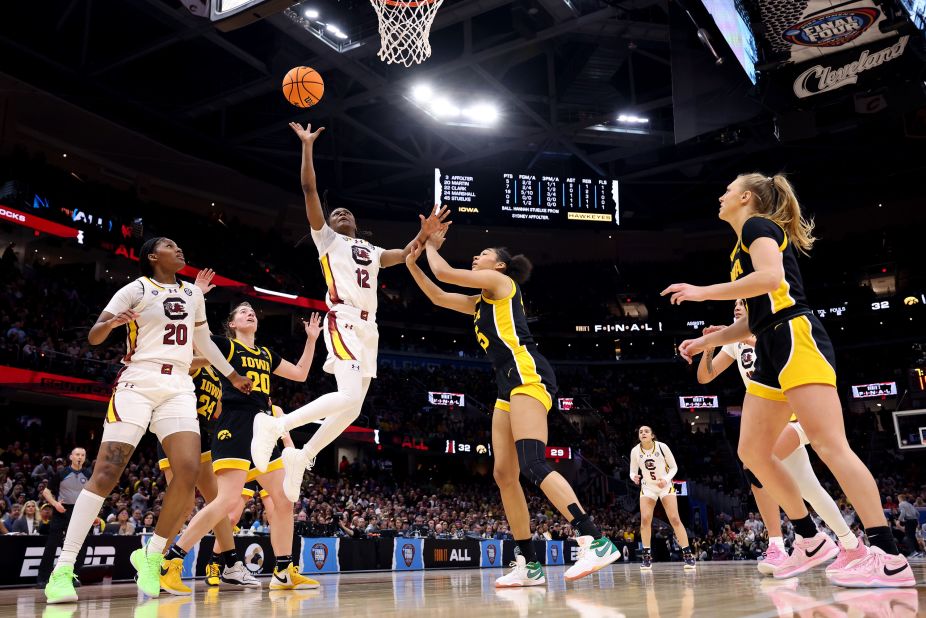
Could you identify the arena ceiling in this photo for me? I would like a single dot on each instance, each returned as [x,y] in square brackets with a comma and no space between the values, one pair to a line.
[560,71]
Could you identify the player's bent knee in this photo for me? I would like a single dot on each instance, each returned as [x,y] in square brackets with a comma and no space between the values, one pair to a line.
[532,460]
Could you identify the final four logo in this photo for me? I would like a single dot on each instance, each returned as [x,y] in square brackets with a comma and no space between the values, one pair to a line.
[490,553]
[408,554]
[319,555]
[831,29]
[554,552]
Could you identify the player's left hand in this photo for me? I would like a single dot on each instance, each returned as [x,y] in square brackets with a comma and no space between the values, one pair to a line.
[684,291]
[437,239]
[661,483]
[691,348]
[434,221]
[204,280]
[313,327]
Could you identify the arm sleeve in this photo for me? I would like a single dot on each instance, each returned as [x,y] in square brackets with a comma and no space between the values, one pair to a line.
[275,359]
[223,344]
[760,227]
[634,462]
[210,350]
[670,461]
[323,238]
[729,350]
[126,298]
[200,312]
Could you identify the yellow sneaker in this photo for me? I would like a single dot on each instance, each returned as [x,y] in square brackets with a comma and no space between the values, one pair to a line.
[290,579]
[212,574]
[171,580]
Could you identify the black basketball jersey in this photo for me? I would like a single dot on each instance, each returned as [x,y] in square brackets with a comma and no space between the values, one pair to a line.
[208,392]
[254,364]
[788,300]
[501,328]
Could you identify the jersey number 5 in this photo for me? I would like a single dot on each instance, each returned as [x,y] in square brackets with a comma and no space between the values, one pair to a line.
[175,334]
[363,278]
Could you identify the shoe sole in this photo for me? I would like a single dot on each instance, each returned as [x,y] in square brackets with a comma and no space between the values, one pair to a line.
[766,569]
[296,587]
[176,593]
[611,560]
[67,599]
[287,468]
[227,585]
[539,582]
[138,571]
[813,562]
[254,434]
[690,567]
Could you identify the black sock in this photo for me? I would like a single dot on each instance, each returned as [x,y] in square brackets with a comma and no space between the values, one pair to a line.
[283,562]
[584,526]
[686,550]
[881,537]
[527,550]
[212,558]
[804,526]
[175,552]
[646,550]
[229,558]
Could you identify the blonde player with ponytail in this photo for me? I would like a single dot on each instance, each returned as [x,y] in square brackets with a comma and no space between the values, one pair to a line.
[794,372]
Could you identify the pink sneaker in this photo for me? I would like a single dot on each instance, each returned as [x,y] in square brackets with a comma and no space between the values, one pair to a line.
[876,570]
[773,559]
[846,557]
[806,554]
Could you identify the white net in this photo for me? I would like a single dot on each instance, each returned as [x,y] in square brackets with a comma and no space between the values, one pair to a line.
[404,28]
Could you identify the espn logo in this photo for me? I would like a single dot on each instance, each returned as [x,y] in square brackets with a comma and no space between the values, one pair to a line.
[101,555]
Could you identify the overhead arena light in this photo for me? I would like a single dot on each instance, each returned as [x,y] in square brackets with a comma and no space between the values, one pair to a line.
[442,108]
[422,93]
[337,32]
[311,13]
[631,119]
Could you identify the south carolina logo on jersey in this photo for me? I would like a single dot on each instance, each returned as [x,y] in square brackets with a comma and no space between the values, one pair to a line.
[362,255]
[749,357]
[175,308]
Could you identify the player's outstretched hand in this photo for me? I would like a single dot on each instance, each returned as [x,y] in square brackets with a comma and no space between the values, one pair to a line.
[434,221]
[437,239]
[123,317]
[684,291]
[241,383]
[691,348]
[414,253]
[306,135]
[313,327]
[204,280]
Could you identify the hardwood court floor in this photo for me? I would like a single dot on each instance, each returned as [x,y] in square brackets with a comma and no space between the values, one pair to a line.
[714,590]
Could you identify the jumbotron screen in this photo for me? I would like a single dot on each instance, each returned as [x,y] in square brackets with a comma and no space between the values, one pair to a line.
[509,198]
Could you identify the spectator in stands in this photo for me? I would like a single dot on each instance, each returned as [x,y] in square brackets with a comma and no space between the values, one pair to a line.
[29,521]
[148,522]
[43,470]
[261,526]
[140,500]
[122,525]
[909,518]
[10,517]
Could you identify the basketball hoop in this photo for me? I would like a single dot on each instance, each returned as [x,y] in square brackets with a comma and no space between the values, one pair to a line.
[404,27]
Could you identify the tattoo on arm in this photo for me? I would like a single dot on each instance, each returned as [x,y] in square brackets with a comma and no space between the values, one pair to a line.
[709,356]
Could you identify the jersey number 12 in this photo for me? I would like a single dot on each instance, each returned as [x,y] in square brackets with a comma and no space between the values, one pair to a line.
[363,278]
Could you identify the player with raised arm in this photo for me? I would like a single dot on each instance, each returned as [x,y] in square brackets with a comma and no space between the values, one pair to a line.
[790,449]
[231,449]
[794,371]
[652,467]
[526,387]
[351,268]
[164,318]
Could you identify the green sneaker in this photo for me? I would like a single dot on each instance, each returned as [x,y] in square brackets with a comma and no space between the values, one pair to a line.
[594,554]
[60,586]
[522,574]
[148,566]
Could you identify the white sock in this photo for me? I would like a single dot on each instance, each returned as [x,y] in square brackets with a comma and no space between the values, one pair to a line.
[849,541]
[777,541]
[156,545]
[86,509]
[798,464]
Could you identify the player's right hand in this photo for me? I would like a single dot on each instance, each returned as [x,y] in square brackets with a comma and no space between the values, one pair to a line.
[123,317]
[306,135]
[414,253]
[437,239]
[636,479]
[241,383]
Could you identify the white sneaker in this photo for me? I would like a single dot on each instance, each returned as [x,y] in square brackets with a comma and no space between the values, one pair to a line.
[294,469]
[594,554]
[266,431]
[522,574]
[238,576]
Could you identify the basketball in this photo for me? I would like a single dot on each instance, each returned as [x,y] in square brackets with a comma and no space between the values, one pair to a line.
[303,86]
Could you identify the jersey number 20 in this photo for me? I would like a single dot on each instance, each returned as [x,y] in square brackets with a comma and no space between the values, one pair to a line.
[175,334]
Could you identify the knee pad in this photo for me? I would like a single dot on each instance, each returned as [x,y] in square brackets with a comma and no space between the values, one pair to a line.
[532,459]
[753,479]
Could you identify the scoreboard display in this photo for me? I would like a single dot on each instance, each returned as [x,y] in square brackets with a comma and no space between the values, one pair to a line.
[509,198]
[878,389]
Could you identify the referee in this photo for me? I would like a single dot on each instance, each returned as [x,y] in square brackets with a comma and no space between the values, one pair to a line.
[67,484]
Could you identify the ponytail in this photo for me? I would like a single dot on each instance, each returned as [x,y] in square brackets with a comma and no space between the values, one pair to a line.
[776,200]
[518,267]
[149,247]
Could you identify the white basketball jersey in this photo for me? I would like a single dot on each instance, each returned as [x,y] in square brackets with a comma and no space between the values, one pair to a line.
[163,332]
[653,464]
[351,269]
[745,357]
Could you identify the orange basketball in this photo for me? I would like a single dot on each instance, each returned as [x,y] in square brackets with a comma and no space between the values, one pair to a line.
[303,86]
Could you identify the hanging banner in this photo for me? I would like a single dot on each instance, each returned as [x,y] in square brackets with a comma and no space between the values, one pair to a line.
[491,554]
[555,553]
[453,554]
[408,555]
[320,555]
